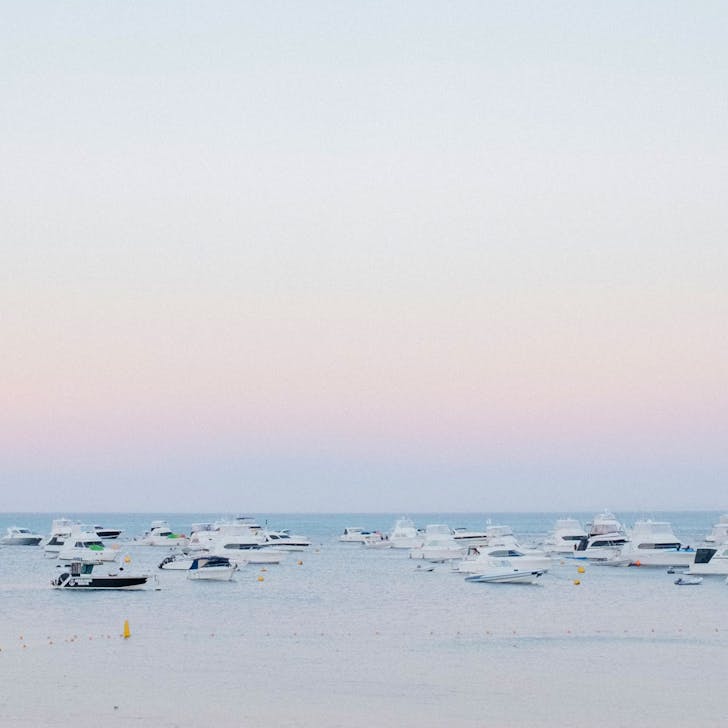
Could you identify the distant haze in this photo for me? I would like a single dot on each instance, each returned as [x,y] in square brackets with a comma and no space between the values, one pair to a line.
[363,256]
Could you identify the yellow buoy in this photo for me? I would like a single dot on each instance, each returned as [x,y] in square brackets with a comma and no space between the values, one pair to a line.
[581,570]
[261,578]
[577,582]
[127,631]
[127,559]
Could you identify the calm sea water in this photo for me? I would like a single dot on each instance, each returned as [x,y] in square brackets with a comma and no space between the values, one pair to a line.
[356,637]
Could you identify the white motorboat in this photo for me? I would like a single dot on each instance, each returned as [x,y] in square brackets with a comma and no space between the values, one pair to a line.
[61,529]
[177,562]
[243,548]
[653,543]
[404,535]
[211,568]
[88,576]
[160,534]
[83,543]
[353,534]
[567,532]
[505,575]
[605,538]
[377,540]
[243,527]
[251,554]
[438,545]
[107,533]
[712,560]
[285,540]
[483,558]
[19,536]
[719,533]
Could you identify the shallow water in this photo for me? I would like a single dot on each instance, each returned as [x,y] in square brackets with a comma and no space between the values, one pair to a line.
[354,637]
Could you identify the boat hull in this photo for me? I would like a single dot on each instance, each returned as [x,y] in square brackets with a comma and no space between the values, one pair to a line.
[101,583]
[212,574]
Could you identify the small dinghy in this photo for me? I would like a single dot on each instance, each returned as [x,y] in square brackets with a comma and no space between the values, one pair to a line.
[689,580]
[505,575]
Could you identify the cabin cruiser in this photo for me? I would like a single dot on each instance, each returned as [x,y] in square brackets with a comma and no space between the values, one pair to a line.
[353,534]
[404,535]
[241,540]
[83,543]
[605,538]
[567,532]
[653,543]
[87,575]
[242,554]
[242,526]
[211,568]
[377,540]
[160,534]
[177,561]
[719,533]
[483,558]
[19,536]
[285,540]
[711,560]
[438,545]
[107,533]
[61,529]
[505,575]
[245,548]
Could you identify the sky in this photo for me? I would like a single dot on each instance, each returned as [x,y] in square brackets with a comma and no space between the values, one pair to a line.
[363,256]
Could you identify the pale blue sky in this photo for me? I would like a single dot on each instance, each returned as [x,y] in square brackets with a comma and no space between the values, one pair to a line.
[331,256]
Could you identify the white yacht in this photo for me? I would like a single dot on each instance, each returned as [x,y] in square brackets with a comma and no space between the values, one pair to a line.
[245,548]
[353,534]
[438,545]
[711,560]
[160,534]
[107,533]
[653,543]
[60,530]
[483,558]
[567,532]
[377,540]
[211,568]
[19,536]
[719,533]
[83,543]
[404,535]
[285,540]
[605,538]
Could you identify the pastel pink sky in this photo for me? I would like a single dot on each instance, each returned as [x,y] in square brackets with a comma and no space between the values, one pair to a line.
[436,268]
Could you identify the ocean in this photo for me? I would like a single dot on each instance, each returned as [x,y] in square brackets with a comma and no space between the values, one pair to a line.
[340,635]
